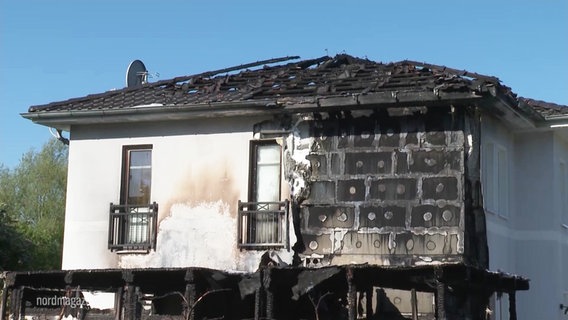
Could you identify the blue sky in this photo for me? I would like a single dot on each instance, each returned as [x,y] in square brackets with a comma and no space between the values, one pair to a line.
[56,50]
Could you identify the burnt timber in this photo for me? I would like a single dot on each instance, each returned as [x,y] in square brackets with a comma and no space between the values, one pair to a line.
[271,292]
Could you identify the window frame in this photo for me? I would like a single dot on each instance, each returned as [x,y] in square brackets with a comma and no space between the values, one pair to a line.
[495,179]
[132,224]
[253,166]
[249,211]
[125,174]
[563,190]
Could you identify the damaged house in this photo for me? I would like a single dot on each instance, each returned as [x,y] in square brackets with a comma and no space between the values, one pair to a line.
[332,188]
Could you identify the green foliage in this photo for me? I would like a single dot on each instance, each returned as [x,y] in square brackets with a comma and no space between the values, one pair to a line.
[32,209]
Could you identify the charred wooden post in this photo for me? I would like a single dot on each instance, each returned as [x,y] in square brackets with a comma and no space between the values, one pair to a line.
[257,304]
[369,302]
[351,295]
[259,298]
[16,305]
[66,309]
[512,305]
[118,304]
[189,295]
[269,296]
[441,300]
[3,301]
[440,294]
[414,301]
[130,302]
[8,282]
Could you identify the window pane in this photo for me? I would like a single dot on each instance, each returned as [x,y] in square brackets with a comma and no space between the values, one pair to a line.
[269,154]
[268,173]
[503,183]
[140,176]
[265,223]
[563,193]
[488,177]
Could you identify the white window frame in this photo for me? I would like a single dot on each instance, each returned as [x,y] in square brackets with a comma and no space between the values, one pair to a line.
[563,193]
[495,179]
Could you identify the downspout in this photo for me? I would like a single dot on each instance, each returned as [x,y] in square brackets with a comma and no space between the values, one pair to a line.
[57,135]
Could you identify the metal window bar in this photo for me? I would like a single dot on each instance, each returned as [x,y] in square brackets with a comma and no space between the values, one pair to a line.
[263,225]
[133,227]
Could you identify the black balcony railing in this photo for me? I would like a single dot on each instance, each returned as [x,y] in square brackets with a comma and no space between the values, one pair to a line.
[133,227]
[263,225]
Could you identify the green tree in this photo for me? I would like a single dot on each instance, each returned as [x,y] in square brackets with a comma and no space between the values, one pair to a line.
[32,202]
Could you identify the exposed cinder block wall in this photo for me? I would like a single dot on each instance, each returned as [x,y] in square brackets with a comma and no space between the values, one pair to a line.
[385,189]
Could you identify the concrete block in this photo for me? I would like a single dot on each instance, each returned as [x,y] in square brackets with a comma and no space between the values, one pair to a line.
[318,164]
[368,163]
[393,189]
[435,138]
[434,161]
[322,192]
[364,134]
[378,217]
[428,216]
[351,190]
[336,160]
[440,188]
[319,244]
[365,243]
[329,216]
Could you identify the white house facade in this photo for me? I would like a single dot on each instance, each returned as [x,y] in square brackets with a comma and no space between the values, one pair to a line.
[526,208]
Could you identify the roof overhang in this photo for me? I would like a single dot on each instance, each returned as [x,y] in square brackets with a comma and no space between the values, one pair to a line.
[63,120]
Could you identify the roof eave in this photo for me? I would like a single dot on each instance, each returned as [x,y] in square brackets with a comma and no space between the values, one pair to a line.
[64,119]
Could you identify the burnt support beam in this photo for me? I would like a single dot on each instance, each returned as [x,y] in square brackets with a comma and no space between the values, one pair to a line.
[269,296]
[16,305]
[4,300]
[369,303]
[190,295]
[257,304]
[441,300]
[131,307]
[130,297]
[512,305]
[414,301]
[351,295]
[118,304]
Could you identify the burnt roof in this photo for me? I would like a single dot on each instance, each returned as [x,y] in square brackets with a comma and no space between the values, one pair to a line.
[547,110]
[304,82]
[325,76]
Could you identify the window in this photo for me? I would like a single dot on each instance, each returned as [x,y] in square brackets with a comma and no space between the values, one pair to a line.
[495,177]
[499,307]
[263,219]
[563,190]
[133,221]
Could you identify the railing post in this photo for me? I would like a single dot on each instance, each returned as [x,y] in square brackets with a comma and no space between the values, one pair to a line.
[110,226]
[287,221]
[154,225]
[240,223]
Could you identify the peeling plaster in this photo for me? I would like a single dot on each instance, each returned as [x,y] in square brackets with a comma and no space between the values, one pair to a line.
[297,168]
[185,227]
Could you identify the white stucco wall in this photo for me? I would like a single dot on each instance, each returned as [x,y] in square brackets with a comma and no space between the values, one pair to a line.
[530,240]
[199,172]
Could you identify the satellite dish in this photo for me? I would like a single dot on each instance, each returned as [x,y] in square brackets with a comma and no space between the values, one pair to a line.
[136,74]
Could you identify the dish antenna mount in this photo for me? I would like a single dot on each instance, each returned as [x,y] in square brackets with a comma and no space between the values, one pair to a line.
[136,74]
